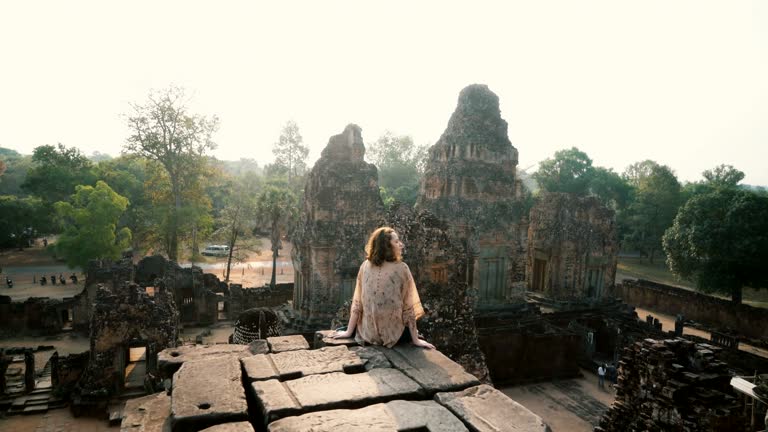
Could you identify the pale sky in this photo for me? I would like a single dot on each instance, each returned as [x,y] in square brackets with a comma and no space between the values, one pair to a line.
[681,82]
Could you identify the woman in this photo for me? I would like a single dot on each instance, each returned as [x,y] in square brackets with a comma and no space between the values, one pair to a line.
[385,305]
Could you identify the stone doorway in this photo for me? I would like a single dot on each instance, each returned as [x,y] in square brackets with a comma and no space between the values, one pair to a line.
[136,366]
[66,319]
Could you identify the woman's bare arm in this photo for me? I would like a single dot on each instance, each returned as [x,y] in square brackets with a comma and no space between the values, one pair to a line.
[353,317]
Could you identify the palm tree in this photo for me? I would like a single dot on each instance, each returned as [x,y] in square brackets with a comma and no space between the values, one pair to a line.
[276,207]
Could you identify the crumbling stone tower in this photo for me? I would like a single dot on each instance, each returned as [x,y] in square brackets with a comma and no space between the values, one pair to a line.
[470,182]
[341,207]
[572,247]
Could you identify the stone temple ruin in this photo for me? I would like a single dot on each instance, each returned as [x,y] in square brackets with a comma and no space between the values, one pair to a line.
[341,207]
[471,183]
[516,288]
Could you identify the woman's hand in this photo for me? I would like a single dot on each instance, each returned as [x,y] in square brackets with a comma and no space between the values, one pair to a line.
[342,334]
[423,344]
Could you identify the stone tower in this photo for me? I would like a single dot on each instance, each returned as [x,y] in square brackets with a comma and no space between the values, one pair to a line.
[470,182]
[341,207]
[572,247]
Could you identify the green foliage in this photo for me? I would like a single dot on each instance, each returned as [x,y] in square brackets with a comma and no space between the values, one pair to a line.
[657,199]
[20,220]
[723,176]
[720,177]
[568,171]
[90,222]
[612,190]
[290,153]
[164,131]
[16,168]
[720,239]
[400,163]
[55,172]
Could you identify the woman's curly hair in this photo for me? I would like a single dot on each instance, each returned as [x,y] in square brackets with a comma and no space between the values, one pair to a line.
[379,247]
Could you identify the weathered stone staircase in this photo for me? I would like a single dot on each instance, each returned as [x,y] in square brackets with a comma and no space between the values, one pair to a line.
[39,400]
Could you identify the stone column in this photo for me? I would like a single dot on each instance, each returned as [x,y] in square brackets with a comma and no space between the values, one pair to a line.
[29,370]
[55,369]
[4,362]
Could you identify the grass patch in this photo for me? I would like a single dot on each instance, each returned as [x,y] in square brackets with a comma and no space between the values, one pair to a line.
[635,268]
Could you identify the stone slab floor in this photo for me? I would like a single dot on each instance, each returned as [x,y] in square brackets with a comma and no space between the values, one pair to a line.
[572,405]
[59,420]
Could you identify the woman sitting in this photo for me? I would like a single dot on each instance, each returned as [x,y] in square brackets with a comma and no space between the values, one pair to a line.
[385,305]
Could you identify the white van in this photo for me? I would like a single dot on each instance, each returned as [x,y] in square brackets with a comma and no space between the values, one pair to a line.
[216,250]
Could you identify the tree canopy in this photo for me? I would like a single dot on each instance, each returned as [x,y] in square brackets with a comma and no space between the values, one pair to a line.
[290,152]
[90,225]
[568,171]
[55,172]
[20,220]
[720,240]
[163,130]
[400,163]
[657,199]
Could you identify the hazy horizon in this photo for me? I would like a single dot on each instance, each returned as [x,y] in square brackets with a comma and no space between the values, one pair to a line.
[680,83]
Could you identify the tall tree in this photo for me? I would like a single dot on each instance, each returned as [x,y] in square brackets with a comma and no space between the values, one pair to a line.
[719,177]
[290,153]
[16,169]
[723,176]
[162,129]
[20,219]
[236,221]
[56,171]
[612,190]
[568,171]
[276,208]
[90,222]
[400,163]
[720,239]
[657,199]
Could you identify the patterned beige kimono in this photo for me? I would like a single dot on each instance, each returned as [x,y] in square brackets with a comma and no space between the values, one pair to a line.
[387,302]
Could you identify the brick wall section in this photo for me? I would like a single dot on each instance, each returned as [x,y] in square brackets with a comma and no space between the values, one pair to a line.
[745,320]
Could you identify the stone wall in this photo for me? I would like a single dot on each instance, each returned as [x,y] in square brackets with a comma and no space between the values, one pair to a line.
[572,247]
[241,299]
[341,207]
[122,317]
[35,315]
[742,319]
[673,385]
[530,353]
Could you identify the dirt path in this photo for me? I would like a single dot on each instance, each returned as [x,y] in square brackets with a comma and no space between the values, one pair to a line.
[573,405]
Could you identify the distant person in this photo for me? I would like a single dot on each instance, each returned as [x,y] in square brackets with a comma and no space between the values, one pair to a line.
[53,279]
[385,305]
[613,374]
[73,278]
[43,281]
[601,376]
[9,281]
[61,279]
[45,242]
